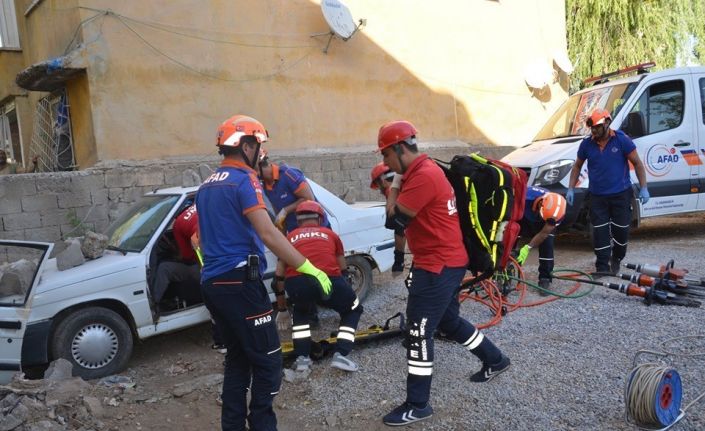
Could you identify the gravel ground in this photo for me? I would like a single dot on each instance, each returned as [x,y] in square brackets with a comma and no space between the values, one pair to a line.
[570,358]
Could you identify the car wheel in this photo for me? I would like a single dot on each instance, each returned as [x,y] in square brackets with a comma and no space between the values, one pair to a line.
[96,340]
[360,275]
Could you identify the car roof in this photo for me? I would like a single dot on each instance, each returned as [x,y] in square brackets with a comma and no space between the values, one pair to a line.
[638,77]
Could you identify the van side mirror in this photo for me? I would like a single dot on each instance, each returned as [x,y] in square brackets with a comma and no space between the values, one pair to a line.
[634,125]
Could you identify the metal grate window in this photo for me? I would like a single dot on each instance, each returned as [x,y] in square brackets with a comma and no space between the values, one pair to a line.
[51,136]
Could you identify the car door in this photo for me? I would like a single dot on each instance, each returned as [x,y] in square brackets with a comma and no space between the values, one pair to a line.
[699,180]
[661,123]
[20,266]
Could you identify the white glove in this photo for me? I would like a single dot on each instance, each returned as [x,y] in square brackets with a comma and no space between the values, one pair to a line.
[284,320]
[279,219]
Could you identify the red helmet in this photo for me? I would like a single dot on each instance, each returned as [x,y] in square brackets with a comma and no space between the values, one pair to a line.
[377,171]
[309,207]
[598,117]
[395,132]
[552,206]
[237,126]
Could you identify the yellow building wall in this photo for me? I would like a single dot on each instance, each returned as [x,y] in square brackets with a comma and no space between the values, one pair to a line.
[161,75]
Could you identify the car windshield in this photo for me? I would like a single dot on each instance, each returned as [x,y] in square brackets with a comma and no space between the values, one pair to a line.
[133,230]
[569,119]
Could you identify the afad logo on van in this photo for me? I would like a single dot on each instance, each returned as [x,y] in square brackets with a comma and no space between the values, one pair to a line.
[660,160]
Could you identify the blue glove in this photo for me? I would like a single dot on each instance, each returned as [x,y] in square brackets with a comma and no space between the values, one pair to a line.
[569,196]
[644,195]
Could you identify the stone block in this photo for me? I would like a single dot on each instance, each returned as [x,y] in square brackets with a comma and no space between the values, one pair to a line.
[349,163]
[17,235]
[92,213]
[27,220]
[151,177]
[71,256]
[43,234]
[93,245]
[310,166]
[84,180]
[39,202]
[120,178]
[10,205]
[59,369]
[75,199]
[330,165]
[54,217]
[57,182]
[99,196]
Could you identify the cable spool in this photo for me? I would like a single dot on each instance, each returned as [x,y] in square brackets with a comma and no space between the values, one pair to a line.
[653,396]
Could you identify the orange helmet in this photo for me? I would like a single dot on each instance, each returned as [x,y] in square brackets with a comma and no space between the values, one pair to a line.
[377,171]
[395,132]
[598,117]
[550,206]
[309,207]
[237,126]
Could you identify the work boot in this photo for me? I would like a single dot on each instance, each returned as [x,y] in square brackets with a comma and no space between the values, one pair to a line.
[544,286]
[342,362]
[302,364]
[615,264]
[489,372]
[398,265]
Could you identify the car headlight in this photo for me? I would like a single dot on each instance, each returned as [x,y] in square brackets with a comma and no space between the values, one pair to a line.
[553,172]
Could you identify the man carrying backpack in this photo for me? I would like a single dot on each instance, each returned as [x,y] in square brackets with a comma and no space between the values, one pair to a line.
[543,212]
[426,209]
[383,179]
[608,153]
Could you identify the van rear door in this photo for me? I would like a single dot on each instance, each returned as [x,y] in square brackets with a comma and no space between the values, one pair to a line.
[661,122]
[699,181]
[20,266]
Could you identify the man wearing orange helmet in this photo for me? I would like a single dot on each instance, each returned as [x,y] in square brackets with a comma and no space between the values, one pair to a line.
[233,224]
[426,209]
[608,153]
[324,249]
[543,212]
[383,179]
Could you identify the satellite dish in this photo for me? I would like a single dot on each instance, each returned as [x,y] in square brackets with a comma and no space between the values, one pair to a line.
[563,62]
[538,75]
[339,19]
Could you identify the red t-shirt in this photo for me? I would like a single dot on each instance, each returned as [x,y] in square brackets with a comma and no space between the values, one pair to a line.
[185,225]
[318,244]
[434,235]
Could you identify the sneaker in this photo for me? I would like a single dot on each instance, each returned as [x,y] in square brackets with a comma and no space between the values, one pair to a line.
[220,348]
[489,372]
[343,363]
[302,363]
[615,264]
[545,286]
[406,414]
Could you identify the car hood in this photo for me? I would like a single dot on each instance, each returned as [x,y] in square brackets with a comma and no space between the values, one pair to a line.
[541,152]
[109,263]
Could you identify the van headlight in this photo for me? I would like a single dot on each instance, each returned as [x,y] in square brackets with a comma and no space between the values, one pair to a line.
[553,172]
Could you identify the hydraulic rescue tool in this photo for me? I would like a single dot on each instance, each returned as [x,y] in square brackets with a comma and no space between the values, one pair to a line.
[650,294]
[666,271]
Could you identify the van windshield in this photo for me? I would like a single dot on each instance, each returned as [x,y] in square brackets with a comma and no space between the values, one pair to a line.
[133,230]
[569,119]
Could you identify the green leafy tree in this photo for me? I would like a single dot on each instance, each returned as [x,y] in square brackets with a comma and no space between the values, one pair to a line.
[606,35]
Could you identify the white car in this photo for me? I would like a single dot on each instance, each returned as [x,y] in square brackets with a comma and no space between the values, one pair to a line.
[91,314]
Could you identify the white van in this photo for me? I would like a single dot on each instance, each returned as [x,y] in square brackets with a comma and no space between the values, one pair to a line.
[663,112]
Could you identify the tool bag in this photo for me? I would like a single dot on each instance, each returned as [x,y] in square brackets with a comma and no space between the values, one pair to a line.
[490,200]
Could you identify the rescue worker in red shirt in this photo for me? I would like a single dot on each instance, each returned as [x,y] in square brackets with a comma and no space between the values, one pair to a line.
[426,209]
[233,225]
[186,269]
[324,249]
[383,180]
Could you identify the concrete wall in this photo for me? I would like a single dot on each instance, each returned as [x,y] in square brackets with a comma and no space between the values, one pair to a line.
[161,75]
[48,206]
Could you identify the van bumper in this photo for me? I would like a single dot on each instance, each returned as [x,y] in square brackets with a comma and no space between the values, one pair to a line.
[575,215]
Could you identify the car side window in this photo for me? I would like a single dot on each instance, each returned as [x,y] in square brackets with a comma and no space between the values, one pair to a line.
[659,108]
[702,97]
[18,268]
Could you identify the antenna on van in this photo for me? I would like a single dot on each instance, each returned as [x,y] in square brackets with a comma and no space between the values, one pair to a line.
[638,68]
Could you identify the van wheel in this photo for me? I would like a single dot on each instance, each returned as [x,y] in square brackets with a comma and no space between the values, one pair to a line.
[96,340]
[360,275]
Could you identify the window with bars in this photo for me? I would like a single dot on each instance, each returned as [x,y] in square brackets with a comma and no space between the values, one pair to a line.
[51,135]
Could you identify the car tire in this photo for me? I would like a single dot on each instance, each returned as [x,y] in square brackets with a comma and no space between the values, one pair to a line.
[96,340]
[360,275]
